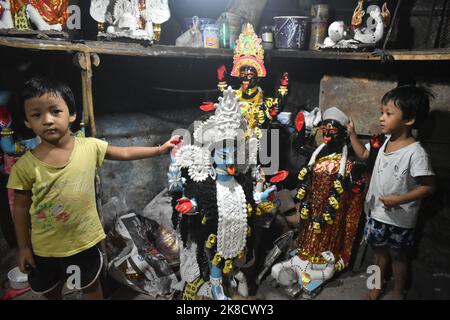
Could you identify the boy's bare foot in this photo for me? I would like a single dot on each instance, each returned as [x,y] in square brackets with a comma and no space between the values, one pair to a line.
[374,294]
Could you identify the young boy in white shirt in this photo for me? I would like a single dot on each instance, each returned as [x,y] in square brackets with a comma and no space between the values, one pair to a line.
[401,177]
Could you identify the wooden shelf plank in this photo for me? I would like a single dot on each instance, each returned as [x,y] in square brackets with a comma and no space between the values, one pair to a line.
[115,48]
[136,49]
[335,55]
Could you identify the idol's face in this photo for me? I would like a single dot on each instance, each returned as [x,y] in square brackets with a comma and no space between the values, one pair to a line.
[330,131]
[248,76]
[224,158]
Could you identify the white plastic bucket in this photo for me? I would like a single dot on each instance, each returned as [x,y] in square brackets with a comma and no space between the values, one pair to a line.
[17,279]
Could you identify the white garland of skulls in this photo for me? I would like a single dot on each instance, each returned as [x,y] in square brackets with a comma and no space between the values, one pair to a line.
[232,226]
[189,269]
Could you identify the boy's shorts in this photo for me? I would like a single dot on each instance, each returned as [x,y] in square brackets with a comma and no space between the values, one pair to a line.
[379,234]
[49,271]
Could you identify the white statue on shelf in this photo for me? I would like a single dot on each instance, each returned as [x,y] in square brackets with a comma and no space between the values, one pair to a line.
[374,29]
[15,14]
[341,36]
[157,11]
[125,18]
[36,18]
[98,10]
[337,33]
[126,14]
[6,21]
[135,19]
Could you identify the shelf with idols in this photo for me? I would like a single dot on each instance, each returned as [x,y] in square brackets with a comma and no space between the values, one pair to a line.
[136,49]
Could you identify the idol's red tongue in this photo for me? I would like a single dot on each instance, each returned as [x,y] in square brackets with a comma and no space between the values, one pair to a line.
[231,170]
[244,85]
[326,139]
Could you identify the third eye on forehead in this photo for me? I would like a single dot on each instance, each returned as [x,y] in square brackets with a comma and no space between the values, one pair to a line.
[223,153]
[247,74]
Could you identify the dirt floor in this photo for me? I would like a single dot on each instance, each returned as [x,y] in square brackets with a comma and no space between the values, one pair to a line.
[346,286]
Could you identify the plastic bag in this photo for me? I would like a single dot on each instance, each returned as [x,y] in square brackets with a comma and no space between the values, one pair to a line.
[113,209]
[192,37]
[134,259]
[160,210]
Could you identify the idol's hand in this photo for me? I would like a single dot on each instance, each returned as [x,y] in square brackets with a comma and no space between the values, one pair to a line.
[284,80]
[221,72]
[184,205]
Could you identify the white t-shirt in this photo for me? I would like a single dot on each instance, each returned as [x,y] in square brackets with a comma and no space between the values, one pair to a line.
[394,174]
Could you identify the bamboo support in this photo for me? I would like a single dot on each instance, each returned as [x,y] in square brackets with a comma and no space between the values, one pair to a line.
[84,61]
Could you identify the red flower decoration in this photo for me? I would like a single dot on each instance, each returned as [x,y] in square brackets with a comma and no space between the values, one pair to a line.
[299,121]
[279,176]
[207,106]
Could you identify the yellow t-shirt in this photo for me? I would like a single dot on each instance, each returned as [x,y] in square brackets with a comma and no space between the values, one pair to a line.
[64,218]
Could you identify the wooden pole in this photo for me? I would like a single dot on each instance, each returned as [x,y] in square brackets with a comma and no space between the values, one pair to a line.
[84,61]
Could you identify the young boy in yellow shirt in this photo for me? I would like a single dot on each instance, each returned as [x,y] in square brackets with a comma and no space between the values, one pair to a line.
[56,219]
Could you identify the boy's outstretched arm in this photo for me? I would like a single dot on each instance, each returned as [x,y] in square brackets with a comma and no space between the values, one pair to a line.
[22,203]
[427,185]
[360,150]
[135,153]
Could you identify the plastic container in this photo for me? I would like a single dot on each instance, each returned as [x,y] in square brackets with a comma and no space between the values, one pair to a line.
[188,22]
[319,13]
[290,32]
[211,36]
[267,37]
[234,20]
[234,35]
[318,34]
[224,31]
[17,279]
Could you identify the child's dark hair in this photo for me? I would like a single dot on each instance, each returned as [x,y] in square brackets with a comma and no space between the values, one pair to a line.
[38,86]
[412,100]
